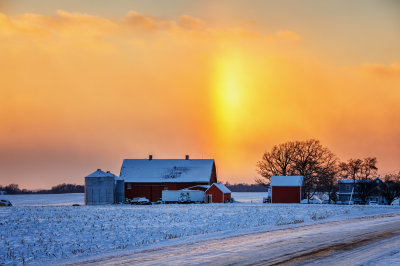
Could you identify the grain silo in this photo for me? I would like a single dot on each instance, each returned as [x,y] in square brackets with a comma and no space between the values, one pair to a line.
[100,188]
[119,193]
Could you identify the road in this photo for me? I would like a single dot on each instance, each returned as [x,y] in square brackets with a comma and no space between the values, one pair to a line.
[367,240]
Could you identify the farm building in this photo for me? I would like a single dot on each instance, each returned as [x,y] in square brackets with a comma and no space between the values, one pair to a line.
[149,177]
[218,193]
[286,189]
[349,190]
[103,188]
[215,193]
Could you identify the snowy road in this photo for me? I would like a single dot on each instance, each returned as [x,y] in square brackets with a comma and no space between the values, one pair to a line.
[367,240]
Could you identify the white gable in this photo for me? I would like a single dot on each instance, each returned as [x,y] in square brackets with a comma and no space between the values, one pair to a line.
[167,170]
[286,181]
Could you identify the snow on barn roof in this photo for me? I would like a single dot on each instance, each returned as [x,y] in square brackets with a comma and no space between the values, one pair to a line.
[100,173]
[286,181]
[222,187]
[167,170]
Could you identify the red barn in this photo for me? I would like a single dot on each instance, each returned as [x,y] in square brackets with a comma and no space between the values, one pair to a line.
[218,193]
[286,189]
[149,177]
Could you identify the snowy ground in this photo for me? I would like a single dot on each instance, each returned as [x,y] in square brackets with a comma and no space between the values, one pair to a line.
[48,234]
[371,240]
[45,199]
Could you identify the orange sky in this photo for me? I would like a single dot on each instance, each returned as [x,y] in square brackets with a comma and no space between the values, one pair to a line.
[80,92]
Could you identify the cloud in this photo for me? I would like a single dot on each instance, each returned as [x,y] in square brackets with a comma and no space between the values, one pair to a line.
[191,23]
[86,20]
[3,5]
[138,20]
[153,92]
[288,35]
[379,70]
[65,25]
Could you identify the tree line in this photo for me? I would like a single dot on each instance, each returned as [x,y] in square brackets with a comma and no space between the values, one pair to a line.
[242,187]
[61,188]
[322,169]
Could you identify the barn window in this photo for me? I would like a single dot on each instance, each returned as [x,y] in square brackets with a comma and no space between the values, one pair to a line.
[129,186]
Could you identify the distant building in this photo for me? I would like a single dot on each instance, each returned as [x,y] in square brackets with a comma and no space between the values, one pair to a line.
[349,191]
[149,177]
[286,189]
[2,192]
[218,193]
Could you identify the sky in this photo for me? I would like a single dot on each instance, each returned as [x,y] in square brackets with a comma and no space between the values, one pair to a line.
[85,84]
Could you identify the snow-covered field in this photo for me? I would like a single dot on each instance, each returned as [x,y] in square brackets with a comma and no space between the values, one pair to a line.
[45,199]
[47,234]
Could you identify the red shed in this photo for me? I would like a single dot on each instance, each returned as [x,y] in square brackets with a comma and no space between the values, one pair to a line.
[286,189]
[218,193]
[149,177]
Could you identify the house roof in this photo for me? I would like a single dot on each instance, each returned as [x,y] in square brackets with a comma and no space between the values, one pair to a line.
[360,181]
[221,187]
[167,170]
[287,181]
[100,173]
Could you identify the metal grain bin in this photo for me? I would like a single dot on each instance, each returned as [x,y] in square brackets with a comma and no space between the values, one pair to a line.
[99,188]
[119,191]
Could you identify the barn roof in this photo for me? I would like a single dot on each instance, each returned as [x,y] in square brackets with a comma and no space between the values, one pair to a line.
[167,170]
[100,173]
[286,181]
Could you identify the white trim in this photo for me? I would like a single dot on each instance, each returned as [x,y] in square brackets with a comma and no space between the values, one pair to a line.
[209,196]
[300,194]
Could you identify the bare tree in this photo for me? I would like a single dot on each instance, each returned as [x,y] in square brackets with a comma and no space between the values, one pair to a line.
[327,183]
[279,161]
[390,189]
[361,170]
[366,188]
[351,169]
[313,161]
[307,158]
[369,168]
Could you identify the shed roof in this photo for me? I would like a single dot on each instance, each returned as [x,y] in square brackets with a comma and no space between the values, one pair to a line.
[100,173]
[221,187]
[167,170]
[287,181]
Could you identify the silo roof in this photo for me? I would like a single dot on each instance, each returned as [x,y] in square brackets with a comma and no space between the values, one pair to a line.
[100,173]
